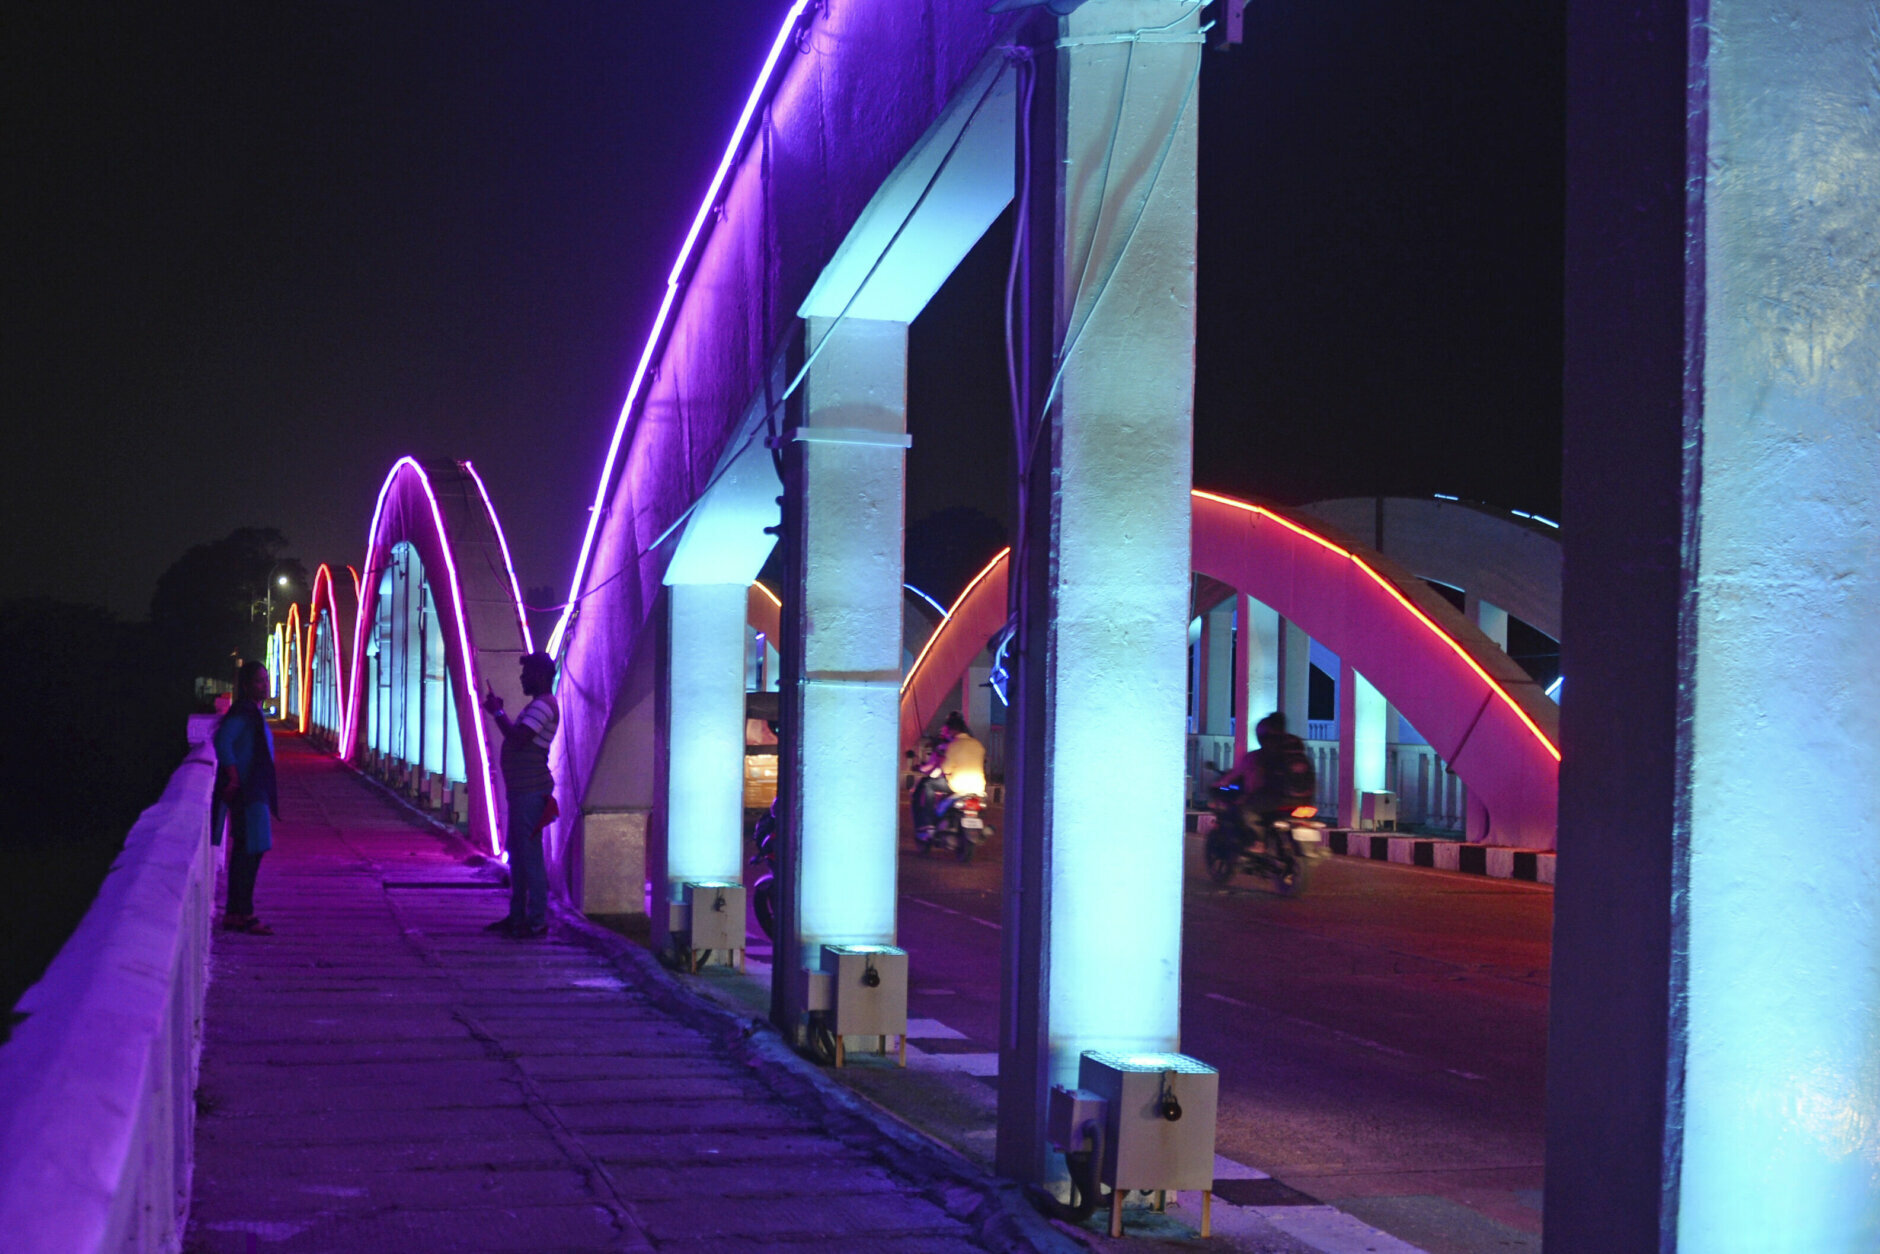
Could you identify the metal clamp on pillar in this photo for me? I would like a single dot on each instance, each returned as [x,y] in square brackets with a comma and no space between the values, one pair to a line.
[1158,1114]
[713,913]
[867,994]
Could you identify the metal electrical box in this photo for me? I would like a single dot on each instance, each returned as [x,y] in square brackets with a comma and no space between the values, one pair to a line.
[714,917]
[1376,809]
[1067,1113]
[867,992]
[1159,1118]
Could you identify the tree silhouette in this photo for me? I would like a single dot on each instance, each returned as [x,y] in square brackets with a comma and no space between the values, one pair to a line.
[211,606]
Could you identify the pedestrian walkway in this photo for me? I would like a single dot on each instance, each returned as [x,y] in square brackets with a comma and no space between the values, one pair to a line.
[383,1075]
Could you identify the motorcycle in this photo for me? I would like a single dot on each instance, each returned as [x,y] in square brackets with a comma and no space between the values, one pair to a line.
[1280,848]
[764,888]
[952,822]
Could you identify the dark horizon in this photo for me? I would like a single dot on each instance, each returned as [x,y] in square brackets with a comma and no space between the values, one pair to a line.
[268,252]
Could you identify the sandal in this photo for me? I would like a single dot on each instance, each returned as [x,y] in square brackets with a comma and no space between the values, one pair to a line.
[255,927]
[236,922]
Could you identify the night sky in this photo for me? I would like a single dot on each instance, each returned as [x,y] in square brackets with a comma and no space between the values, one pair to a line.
[258,252]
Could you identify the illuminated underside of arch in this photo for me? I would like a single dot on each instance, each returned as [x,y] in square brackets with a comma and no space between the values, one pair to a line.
[443,511]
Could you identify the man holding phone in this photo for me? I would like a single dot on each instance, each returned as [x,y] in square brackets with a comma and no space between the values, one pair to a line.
[530,789]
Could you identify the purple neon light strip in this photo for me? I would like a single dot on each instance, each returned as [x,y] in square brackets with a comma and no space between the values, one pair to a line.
[471,677]
[496,524]
[738,135]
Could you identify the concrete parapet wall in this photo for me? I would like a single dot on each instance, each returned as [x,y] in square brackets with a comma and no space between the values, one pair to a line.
[97,1084]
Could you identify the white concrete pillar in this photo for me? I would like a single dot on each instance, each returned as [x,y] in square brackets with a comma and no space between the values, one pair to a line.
[1217,669]
[1492,619]
[1361,719]
[1784,976]
[1094,904]
[1295,676]
[1722,590]
[847,476]
[704,734]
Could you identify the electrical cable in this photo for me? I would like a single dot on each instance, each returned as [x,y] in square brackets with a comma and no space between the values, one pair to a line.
[1071,341]
[1029,429]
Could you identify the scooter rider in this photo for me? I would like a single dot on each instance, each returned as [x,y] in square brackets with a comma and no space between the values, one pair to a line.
[958,765]
[1273,777]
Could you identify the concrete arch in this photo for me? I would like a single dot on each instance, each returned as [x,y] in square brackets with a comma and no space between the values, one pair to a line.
[332,613]
[1478,710]
[1499,556]
[775,241]
[442,510]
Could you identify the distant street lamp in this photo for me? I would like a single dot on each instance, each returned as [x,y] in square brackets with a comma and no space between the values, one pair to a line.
[265,602]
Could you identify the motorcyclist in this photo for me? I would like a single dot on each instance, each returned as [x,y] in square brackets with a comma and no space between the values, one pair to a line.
[1274,777]
[957,765]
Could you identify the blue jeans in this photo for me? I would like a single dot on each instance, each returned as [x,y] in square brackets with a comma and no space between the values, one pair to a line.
[528,870]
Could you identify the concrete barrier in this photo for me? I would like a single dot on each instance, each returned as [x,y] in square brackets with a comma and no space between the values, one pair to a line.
[1494,861]
[97,1084]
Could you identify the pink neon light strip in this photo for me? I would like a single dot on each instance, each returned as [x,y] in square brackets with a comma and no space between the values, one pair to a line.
[739,134]
[496,524]
[471,676]
[1402,600]
[997,560]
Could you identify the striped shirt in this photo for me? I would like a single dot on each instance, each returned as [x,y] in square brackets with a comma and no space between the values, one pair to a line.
[525,759]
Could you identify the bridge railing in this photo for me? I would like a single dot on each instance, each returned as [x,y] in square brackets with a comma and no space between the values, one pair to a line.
[97,1084]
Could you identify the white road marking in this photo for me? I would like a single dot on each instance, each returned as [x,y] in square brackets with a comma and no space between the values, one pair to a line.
[985,923]
[1467,1075]
[1333,1231]
[1228,1169]
[1349,1037]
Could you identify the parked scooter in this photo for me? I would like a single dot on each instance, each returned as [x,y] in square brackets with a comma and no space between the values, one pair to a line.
[1279,848]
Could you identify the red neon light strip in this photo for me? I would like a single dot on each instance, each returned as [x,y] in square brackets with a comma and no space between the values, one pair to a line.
[1402,600]
[997,559]
[323,575]
[739,134]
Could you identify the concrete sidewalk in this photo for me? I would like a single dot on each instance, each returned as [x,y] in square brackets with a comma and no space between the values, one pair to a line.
[381,1074]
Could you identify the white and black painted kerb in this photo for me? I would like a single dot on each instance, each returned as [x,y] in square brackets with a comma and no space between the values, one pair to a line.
[1495,861]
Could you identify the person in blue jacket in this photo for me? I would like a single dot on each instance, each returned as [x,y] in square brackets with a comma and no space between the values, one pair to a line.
[244,758]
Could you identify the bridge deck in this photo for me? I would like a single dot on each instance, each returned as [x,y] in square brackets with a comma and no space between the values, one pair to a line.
[383,1075]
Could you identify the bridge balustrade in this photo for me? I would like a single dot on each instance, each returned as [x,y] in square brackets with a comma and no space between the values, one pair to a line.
[98,1083]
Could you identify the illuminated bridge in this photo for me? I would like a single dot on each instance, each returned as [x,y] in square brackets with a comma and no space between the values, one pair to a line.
[1712,1055]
